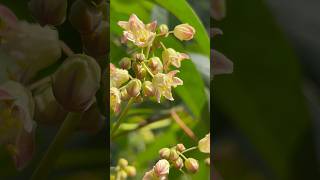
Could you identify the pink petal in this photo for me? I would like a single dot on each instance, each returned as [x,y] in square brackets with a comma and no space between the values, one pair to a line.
[123,24]
[152,26]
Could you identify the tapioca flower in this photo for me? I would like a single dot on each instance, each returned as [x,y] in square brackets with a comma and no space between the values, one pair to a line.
[118,76]
[115,99]
[162,84]
[136,31]
[184,32]
[159,172]
[170,56]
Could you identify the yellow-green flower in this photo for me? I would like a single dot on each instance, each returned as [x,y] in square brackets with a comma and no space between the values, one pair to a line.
[162,84]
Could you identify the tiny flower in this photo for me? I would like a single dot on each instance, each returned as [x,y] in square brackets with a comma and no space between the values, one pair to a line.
[180,147]
[162,84]
[131,171]
[133,87]
[139,57]
[164,153]
[163,30]
[170,56]
[122,163]
[118,76]
[115,99]
[155,65]
[184,32]
[161,168]
[147,88]
[204,144]
[136,31]
[173,155]
[125,63]
[191,165]
[178,163]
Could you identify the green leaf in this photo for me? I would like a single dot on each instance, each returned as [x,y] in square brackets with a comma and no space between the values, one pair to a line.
[184,12]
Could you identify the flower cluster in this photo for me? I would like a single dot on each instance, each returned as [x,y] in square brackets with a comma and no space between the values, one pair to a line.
[123,170]
[152,75]
[175,157]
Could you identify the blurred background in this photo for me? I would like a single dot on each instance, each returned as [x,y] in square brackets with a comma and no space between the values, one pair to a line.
[266,114]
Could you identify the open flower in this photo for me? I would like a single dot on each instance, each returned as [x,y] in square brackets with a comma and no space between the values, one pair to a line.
[115,99]
[204,144]
[162,84]
[170,56]
[118,76]
[16,125]
[136,31]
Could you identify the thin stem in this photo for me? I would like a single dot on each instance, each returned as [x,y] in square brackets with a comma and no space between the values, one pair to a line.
[163,46]
[183,125]
[66,49]
[190,149]
[183,156]
[56,146]
[146,67]
[182,171]
[39,83]
[148,51]
[121,116]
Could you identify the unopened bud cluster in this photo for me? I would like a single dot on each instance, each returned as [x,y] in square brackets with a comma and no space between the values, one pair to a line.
[123,170]
[143,76]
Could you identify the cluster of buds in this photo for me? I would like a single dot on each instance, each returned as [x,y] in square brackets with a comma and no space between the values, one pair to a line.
[151,75]
[175,157]
[123,170]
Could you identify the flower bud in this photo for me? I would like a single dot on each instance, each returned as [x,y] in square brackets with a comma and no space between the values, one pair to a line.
[155,65]
[163,30]
[122,174]
[139,70]
[191,165]
[164,153]
[115,99]
[204,144]
[178,163]
[173,155]
[161,168]
[96,43]
[49,12]
[134,87]
[139,57]
[147,88]
[184,32]
[118,76]
[76,82]
[131,171]
[122,163]
[125,63]
[180,147]
[84,16]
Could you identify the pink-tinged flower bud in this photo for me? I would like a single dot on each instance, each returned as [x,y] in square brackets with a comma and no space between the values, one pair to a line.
[164,153]
[161,168]
[139,70]
[207,161]
[147,88]
[178,163]
[163,30]
[139,57]
[204,144]
[76,82]
[49,12]
[180,147]
[122,163]
[115,99]
[131,171]
[191,165]
[172,57]
[173,155]
[155,65]
[84,16]
[16,125]
[118,76]
[184,32]
[96,43]
[125,63]
[134,87]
